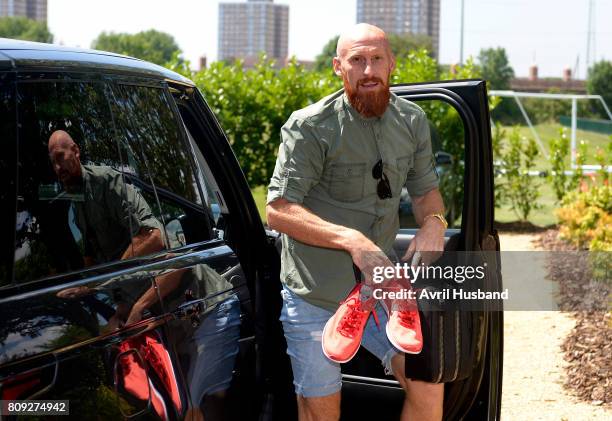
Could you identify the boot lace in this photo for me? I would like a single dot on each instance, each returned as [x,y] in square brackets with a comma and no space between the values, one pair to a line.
[407,318]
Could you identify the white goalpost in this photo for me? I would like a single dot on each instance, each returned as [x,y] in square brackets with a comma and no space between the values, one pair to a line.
[574,98]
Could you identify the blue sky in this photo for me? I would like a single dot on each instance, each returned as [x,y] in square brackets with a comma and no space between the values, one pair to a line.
[551,33]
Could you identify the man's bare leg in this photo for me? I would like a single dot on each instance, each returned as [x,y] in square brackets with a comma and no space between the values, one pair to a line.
[325,408]
[423,400]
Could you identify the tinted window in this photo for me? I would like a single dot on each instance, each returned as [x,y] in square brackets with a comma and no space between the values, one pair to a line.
[48,238]
[7,175]
[153,137]
[76,206]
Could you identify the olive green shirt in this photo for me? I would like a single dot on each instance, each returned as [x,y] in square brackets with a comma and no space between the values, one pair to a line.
[325,163]
[110,213]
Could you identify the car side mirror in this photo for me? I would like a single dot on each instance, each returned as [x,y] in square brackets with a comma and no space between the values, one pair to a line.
[443,158]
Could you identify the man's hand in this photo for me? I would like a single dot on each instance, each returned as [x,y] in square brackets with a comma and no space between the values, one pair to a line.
[428,243]
[302,224]
[366,255]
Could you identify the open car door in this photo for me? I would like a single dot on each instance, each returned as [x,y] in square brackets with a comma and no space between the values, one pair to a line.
[468,349]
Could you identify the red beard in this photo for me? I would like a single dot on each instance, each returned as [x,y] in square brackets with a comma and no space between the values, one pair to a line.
[368,104]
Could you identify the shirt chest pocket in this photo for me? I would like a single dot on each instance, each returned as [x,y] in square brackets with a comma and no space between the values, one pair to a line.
[347,181]
[397,178]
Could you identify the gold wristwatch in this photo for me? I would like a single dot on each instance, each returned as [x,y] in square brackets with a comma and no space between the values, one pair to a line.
[438,216]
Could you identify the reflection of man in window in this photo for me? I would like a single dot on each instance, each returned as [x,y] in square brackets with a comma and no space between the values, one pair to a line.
[114,219]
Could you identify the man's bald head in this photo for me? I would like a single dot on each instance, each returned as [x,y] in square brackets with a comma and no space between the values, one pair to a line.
[60,139]
[362,33]
[365,63]
[65,157]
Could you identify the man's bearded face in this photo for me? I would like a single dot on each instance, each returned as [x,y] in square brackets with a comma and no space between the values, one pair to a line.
[370,96]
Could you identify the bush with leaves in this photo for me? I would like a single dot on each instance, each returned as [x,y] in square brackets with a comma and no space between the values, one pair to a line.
[520,188]
[497,138]
[19,27]
[585,218]
[253,104]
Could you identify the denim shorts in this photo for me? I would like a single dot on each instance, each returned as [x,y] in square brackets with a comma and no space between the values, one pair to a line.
[314,375]
[216,342]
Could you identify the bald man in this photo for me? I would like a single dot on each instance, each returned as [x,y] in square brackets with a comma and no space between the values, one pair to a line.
[334,196]
[115,220]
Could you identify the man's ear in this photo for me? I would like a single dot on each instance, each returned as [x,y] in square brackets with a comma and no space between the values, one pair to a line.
[337,66]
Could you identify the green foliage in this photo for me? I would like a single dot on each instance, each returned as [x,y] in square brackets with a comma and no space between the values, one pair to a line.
[323,62]
[521,189]
[154,46]
[585,219]
[559,153]
[404,45]
[417,66]
[25,29]
[498,135]
[599,81]
[604,160]
[495,67]
[253,104]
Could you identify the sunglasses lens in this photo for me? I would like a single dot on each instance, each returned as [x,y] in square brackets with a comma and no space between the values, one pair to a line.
[377,170]
[383,188]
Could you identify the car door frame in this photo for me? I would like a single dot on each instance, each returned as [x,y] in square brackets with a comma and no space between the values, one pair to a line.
[480,395]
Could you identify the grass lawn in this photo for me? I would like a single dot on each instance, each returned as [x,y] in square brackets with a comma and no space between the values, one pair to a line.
[542,217]
[259,194]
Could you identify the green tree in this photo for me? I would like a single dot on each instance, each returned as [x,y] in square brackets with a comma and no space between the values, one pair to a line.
[323,61]
[154,46]
[599,81]
[25,29]
[401,46]
[495,67]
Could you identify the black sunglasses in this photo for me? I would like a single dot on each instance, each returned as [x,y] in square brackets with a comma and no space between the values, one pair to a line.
[383,189]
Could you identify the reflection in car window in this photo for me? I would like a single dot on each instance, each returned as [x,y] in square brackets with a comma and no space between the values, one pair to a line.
[150,134]
[7,175]
[48,237]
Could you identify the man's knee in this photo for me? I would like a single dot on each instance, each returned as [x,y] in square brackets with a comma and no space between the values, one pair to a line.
[415,389]
[324,408]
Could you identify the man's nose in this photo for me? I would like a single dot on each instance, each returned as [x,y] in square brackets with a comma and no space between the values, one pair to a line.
[369,69]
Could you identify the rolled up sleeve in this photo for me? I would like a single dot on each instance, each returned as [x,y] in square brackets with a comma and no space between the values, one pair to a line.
[299,164]
[423,176]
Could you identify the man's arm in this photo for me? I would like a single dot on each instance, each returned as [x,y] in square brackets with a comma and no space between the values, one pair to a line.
[303,225]
[430,236]
[147,241]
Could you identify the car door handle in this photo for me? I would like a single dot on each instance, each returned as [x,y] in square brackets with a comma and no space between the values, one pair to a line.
[191,309]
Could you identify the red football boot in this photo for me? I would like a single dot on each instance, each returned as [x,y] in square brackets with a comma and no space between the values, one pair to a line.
[343,331]
[404,324]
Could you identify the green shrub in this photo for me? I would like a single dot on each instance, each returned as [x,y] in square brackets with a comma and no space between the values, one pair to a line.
[520,188]
[585,218]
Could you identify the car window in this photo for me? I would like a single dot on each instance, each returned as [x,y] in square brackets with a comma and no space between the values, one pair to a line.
[446,132]
[76,206]
[7,175]
[152,136]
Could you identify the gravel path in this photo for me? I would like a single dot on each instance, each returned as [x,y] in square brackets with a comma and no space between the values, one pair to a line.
[533,363]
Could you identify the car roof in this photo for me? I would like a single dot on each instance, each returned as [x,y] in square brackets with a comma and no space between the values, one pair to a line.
[25,55]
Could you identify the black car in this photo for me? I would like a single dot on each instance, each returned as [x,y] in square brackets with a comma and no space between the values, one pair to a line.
[189,328]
